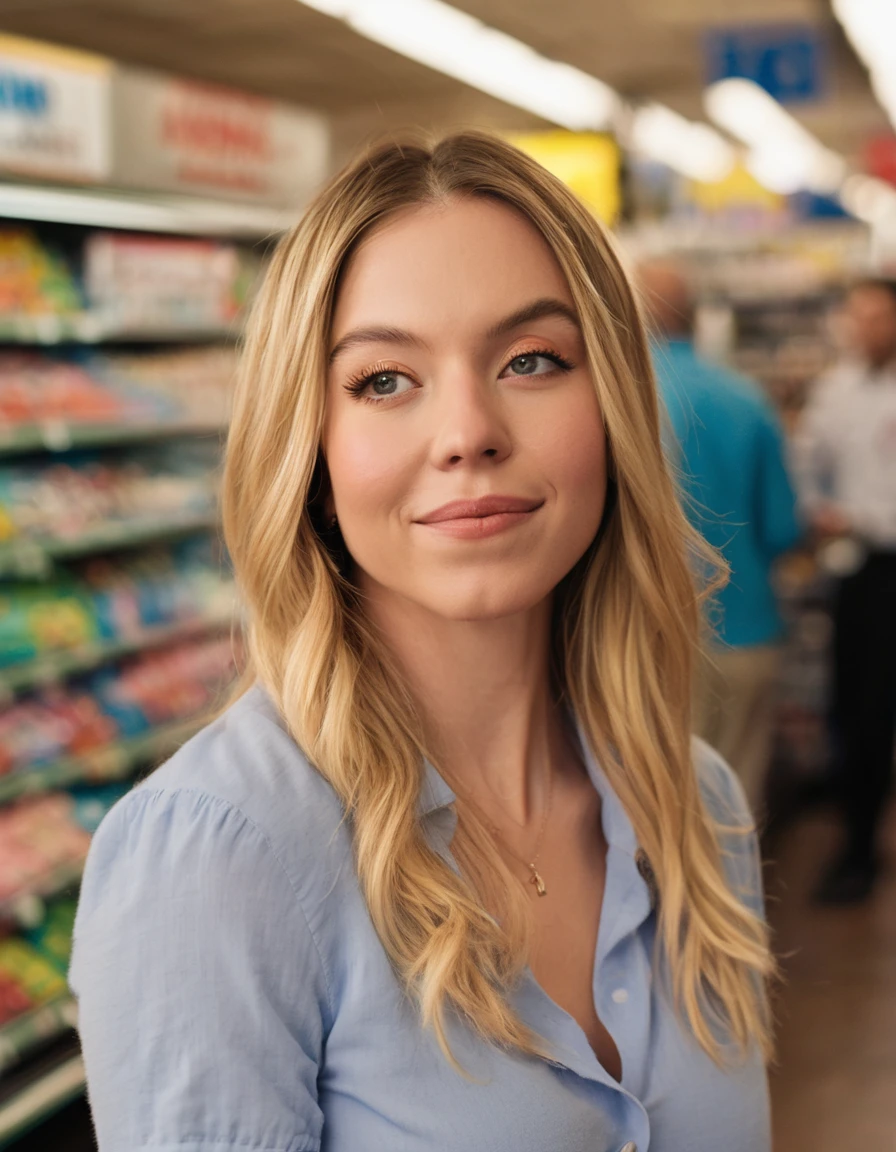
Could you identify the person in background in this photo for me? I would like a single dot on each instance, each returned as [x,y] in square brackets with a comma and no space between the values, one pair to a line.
[846,473]
[728,446]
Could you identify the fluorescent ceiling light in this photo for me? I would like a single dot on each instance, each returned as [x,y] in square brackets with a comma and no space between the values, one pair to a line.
[694,150]
[784,156]
[871,28]
[871,200]
[450,41]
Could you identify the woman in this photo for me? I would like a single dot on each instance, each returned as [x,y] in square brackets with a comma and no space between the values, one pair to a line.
[449,875]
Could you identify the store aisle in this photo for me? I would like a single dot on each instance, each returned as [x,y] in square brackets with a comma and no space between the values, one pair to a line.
[834,1085]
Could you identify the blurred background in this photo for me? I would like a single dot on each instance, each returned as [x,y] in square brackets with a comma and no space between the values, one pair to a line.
[151,152]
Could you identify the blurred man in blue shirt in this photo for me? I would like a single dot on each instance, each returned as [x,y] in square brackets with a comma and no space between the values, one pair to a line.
[728,446]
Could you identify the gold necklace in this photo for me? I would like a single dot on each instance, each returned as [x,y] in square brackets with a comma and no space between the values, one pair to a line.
[534,875]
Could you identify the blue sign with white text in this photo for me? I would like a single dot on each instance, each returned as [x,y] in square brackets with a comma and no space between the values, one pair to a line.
[787,60]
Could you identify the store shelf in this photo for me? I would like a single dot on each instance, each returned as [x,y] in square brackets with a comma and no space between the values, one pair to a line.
[87,329]
[26,908]
[30,559]
[55,666]
[36,1027]
[37,1101]
[61,436]
[109,208]
[110,762]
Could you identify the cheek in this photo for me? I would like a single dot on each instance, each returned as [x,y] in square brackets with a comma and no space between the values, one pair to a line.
[367,466]
[574,452]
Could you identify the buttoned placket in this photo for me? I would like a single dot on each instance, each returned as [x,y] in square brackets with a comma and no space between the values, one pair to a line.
[626,905]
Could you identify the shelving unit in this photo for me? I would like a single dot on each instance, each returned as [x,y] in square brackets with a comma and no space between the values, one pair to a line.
[114,761]
[53,667]
[37,1100]
[35,559]
[34,1028]
[63,436]
[40,1067]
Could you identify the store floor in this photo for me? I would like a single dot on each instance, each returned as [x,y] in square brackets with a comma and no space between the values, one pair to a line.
[835,1083]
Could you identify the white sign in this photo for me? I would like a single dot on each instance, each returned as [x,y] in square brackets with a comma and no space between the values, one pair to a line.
[54,111]
[178,135]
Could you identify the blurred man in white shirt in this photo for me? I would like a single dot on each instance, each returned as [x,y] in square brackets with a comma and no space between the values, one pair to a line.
[846,471]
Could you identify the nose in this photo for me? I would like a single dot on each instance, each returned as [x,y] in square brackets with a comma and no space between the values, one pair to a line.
[471,424]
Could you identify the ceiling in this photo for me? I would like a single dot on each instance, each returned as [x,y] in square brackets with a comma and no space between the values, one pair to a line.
[648,49]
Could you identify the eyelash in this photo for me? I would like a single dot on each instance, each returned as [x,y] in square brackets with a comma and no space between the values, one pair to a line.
[356,384]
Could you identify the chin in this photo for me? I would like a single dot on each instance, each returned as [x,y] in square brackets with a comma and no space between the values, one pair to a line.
[479,601]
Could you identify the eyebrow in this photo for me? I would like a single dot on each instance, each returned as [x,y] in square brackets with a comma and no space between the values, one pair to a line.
[537,310]
[379,334]
[375,335]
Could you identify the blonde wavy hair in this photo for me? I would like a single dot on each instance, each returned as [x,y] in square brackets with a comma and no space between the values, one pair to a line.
[625,623]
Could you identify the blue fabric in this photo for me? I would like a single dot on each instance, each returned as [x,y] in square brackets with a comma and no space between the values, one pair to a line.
[729,448]
[234,994]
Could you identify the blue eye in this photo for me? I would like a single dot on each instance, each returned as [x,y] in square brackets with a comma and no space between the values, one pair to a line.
[385,383]
[381,385]
[535,364]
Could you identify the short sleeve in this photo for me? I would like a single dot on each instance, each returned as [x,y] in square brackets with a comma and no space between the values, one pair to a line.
[202,999]
[727,805]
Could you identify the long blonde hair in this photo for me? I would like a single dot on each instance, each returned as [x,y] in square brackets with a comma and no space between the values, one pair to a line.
[626,621]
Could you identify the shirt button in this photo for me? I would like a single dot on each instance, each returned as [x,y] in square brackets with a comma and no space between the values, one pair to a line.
[630,1147]
[620,996]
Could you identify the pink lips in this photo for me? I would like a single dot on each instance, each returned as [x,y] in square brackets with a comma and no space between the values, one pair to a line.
[476,519]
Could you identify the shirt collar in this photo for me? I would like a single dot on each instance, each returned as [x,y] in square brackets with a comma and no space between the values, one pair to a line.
[618,830]
[434,792]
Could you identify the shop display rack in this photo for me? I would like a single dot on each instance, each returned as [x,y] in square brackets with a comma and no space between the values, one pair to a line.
[66,436]
[52,1080]
[53,667]
[113,761]
[57,348]
[35,559]
[92,329]
[28,906]
[32,1030]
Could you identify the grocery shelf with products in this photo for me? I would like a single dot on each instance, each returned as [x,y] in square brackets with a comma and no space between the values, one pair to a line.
[767,299]
[117,353]
[124,279]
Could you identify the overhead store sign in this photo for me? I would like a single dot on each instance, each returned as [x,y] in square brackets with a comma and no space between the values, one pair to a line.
[177,135]
[788,60]
[54,111]
[587,162]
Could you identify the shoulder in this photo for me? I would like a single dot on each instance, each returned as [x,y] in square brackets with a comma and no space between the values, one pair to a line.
[193,898]
[246,760]
[240,797]
[720,789]
[735,829]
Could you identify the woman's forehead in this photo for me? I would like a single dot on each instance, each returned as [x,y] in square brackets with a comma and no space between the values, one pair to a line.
[462,261]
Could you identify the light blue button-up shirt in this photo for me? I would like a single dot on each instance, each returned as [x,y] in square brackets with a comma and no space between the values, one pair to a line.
[235,996]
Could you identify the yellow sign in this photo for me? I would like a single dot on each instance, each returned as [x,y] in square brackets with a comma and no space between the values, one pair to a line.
[738,189]
[587,162]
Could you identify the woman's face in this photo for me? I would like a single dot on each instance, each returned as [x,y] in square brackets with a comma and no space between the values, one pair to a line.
[463,436]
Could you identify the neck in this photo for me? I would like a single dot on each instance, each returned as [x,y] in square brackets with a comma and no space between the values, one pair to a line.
[492,725]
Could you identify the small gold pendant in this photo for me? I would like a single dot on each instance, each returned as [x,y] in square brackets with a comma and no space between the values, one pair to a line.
[536,879]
